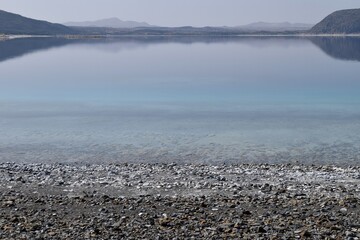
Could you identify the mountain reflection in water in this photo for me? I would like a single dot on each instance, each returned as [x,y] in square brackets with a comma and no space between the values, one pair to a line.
[343,48]
[182,99]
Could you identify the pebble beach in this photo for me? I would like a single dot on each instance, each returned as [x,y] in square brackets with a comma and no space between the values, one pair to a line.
[172,201]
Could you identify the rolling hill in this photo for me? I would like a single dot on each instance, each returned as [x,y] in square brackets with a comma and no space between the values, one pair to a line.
[339,22]
[11,23]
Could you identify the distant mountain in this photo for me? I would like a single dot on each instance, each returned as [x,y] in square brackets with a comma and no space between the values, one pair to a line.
[344,21]
[340,22]
[15,24]
[109,23]
[275,27]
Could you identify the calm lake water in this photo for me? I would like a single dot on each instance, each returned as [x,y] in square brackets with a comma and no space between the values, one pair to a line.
[184,99]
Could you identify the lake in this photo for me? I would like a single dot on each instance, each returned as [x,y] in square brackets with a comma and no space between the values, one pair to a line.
[180,99]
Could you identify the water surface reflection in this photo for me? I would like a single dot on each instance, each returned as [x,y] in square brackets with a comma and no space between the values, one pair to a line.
[184,99]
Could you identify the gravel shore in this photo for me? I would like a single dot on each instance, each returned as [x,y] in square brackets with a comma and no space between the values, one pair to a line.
[170,201]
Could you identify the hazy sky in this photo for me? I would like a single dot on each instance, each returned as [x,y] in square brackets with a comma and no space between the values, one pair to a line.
[180,12]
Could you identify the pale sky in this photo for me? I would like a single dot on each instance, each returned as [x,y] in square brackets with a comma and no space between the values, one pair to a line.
[180,12]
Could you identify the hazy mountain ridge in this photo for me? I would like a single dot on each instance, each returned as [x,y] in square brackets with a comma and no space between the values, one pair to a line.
[15,24]
[257,26]
[109,23]
[339,22]
[11,23]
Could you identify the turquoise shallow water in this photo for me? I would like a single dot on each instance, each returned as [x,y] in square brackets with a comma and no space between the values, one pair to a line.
[180,99]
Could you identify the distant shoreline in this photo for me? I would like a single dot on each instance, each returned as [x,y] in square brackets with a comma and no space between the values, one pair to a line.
[11,36]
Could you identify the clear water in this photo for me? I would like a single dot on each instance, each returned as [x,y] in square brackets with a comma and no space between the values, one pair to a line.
[187,99]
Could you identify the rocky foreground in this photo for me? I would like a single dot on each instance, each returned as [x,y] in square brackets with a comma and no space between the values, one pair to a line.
[169,201]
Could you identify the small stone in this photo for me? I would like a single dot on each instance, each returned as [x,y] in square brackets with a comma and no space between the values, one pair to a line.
[343,210]
[52,233]
[9,203]
[350,234]
[35,227]
[246,212]
[165,222]
[305,234]
[261,230]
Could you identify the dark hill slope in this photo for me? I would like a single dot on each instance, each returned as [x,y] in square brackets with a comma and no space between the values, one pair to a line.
[15,24]
[344,21]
